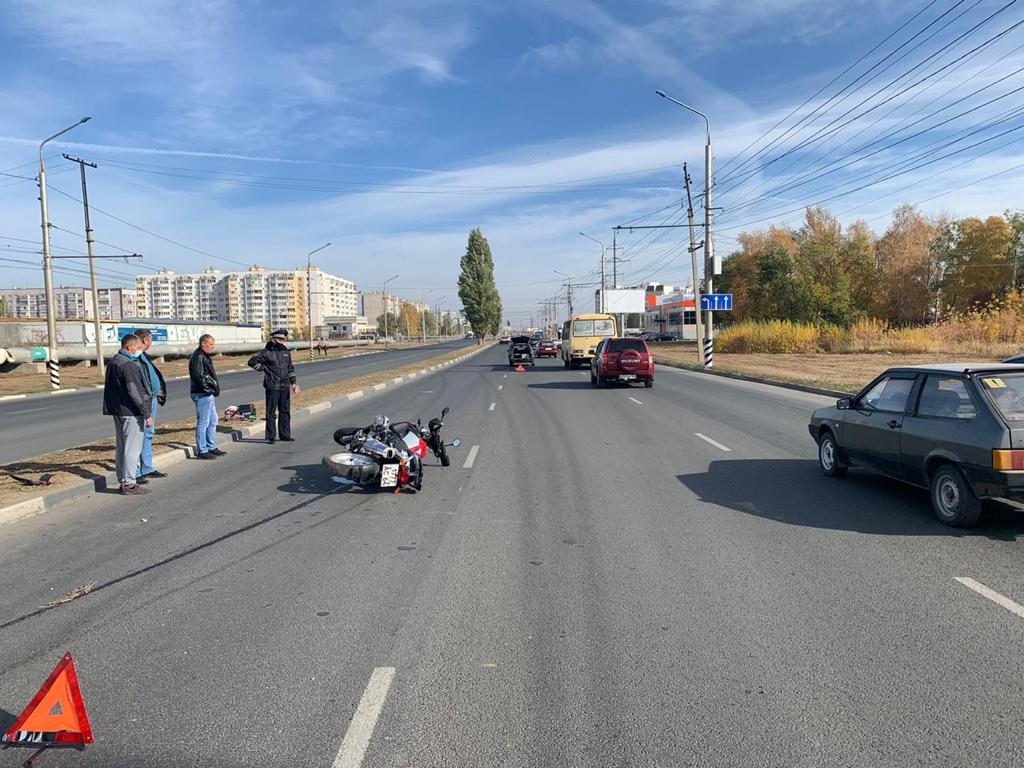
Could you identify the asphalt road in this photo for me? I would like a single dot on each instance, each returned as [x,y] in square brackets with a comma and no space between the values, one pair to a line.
[35,426]
[601,587]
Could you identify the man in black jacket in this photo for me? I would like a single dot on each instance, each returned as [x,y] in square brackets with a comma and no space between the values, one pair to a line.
[205,388]
[127,396]
[275,361]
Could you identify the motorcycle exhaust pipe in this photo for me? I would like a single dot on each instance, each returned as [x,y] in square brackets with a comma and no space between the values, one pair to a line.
[378,449]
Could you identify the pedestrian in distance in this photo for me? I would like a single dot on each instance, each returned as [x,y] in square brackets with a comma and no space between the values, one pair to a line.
[322,347]
[127,397]
[275,362]
[205,389]
[158,392]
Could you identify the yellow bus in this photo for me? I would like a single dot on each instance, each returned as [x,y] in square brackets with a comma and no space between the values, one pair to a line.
[582,334]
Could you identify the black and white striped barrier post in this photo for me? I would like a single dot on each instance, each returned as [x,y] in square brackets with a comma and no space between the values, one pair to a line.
[54,368]
[709,353]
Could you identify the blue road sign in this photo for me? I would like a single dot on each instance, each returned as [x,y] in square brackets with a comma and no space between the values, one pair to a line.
[716,302]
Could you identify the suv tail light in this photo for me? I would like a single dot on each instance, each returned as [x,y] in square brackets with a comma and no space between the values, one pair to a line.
[1008,460]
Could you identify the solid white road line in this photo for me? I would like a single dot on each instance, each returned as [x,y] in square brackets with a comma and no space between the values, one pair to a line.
[636,401]
[492,407]
[992,595]
[28,410]
[715,443]
[471,457]
[357,738]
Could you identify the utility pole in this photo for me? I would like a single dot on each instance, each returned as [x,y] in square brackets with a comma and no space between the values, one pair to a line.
[693,265]
[52,361]
[92,264]
[387,307]
[309,294]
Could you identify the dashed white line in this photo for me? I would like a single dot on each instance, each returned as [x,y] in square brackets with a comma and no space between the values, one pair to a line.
[471,457]
[715,443]
[505,376]
[28,410]
[357,738]
[636,401]
[991,594]
[492,407]
[500,387]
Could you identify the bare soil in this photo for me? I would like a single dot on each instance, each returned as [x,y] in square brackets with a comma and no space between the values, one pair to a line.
[96,459]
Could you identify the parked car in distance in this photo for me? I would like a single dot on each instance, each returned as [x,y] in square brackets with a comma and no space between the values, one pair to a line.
[547,349]
[519,351]
[622,359]
[664,337]
[469,335]
[957,430]
[505,338]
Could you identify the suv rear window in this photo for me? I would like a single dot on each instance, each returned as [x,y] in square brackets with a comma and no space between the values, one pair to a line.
[1007,392]
[621,345]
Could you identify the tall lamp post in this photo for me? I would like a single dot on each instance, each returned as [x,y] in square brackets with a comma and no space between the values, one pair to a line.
[309,295]
[52,361]
[437,316]
[584,234]
[385,300]
[423,317]
[711,265]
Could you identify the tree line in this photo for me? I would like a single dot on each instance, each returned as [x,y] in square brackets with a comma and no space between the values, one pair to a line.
[920,270]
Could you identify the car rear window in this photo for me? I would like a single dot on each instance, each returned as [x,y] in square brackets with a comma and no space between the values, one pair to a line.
[621,345]
[1007,392]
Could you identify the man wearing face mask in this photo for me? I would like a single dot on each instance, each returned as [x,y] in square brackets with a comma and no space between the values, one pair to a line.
[127,396]
[275,362]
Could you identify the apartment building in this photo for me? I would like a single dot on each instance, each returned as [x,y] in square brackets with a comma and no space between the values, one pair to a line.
[257,296]
[71,303]
[371,305]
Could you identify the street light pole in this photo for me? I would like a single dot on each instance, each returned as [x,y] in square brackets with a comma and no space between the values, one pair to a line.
[711,266]
[437,316]
[52,361]
[423,318]
[584,234]
[385,299]
[309,295]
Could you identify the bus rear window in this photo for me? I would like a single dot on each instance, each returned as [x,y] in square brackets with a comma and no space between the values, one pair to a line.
[602,327]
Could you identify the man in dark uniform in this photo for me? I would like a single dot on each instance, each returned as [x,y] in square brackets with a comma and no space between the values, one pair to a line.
[275,362]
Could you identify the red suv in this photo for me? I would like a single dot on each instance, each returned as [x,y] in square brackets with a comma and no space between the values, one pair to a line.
[622,360]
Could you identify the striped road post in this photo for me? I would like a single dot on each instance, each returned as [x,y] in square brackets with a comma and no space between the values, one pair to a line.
[709,353]
[54,368]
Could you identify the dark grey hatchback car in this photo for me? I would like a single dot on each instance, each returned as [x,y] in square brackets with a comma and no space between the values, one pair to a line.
[957,430]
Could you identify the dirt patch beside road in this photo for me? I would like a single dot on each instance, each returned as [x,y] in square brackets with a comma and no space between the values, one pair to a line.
[844,372]
[96,459]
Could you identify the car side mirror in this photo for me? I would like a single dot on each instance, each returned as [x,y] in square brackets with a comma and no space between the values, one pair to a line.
[844,403]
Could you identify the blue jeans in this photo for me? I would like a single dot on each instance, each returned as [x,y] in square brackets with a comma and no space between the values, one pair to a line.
[206,422]
[146,459]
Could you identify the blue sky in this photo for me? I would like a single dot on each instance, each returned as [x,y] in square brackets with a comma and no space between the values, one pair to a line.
[256,131]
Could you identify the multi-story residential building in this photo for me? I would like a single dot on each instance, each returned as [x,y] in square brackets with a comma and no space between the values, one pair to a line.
[271,298]
[71,303]
[371,305]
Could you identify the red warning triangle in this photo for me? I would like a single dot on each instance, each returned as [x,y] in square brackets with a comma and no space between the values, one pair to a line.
[56,715]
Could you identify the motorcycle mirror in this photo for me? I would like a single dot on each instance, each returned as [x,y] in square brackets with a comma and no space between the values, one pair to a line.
[456,442]
[444,412]
[419,422]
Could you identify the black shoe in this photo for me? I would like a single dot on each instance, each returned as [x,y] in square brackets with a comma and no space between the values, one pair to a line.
[205,456]
[155,473]
[218,452]
[141,480]
[270,440]
[287,439]
[131,490]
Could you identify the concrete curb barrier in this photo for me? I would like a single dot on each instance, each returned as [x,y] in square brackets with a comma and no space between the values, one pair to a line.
[41,504]
[760,380]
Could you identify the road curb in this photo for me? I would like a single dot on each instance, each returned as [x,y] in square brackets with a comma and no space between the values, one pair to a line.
[759,380]
[42,504]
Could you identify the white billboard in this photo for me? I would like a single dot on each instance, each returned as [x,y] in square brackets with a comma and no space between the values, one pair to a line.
[624,300]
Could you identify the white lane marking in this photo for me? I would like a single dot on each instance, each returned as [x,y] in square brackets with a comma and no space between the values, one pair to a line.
[500,387]
[584,373]
[636,401]
[492,407]
[357,737]
[504,376]
[715,443]
[28,410]
[992,595]
[471,457]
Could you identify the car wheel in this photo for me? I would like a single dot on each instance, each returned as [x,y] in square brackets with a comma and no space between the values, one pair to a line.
[648,382]
[565,362]
[953,500]
[593,378]
[828,455]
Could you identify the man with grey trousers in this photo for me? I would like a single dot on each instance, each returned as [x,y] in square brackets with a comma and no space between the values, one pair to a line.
[127,396]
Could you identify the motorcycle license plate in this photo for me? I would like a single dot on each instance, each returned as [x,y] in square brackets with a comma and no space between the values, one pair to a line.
[389,476]
[627,377]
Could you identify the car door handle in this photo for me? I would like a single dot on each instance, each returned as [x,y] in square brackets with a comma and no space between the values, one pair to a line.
[894,424]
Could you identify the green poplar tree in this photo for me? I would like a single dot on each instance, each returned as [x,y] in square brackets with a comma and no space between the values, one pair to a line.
[477,290]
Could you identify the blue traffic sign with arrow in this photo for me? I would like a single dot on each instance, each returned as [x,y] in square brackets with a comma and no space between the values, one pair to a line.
[716,302]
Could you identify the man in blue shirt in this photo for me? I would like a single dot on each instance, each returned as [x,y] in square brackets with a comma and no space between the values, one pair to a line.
[158,388]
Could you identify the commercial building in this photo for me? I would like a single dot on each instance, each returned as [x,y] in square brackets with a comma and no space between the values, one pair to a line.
[71,303]
[258,296]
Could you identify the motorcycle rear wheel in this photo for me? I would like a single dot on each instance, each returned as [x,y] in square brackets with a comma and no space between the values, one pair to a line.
[357,467]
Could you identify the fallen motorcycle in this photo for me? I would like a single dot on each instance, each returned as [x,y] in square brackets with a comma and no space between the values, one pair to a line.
[385,454]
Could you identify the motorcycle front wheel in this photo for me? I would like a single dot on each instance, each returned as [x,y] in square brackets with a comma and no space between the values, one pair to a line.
[443,456]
